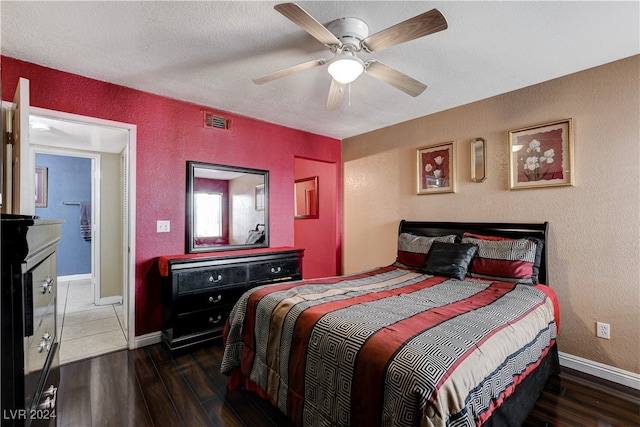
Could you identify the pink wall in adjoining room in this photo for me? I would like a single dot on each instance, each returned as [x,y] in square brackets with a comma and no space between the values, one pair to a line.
[318,235]
[169,133]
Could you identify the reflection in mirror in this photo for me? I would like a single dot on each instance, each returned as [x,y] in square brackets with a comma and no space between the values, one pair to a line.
[227,207]
[306,192]
[478,159]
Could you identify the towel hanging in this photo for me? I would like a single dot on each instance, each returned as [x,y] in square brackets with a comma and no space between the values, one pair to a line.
[85,221]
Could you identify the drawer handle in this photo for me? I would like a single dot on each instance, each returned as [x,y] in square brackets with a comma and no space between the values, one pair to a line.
[276,270]
[50,401]
[45,343]
[211,279]
[214,321]
[215,300]
[47,286]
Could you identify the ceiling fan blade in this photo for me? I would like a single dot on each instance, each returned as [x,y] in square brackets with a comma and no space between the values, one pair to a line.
[308,23]
[394,78]
[289,70]
[419,26]
[336,92]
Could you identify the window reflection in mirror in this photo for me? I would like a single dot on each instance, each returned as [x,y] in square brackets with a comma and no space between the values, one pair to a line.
[208,215]
[223,210]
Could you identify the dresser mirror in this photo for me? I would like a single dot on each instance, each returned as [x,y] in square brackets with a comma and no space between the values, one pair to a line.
[227,207]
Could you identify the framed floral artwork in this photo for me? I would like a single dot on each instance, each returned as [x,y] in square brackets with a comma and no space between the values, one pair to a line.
[436,169]
[541,156]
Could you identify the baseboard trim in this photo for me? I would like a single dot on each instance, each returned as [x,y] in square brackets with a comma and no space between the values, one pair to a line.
[116,299]
[74,277]
[600,370]
[148,339]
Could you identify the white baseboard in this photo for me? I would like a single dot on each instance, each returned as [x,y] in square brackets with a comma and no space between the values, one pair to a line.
[600,370]
[75,277]
[116,299]
[148,339]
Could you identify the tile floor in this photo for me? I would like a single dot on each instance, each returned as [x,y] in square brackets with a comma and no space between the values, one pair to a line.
[88,330]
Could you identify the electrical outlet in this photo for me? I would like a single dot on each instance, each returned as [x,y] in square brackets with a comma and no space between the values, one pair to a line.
[163,226]
[603,330]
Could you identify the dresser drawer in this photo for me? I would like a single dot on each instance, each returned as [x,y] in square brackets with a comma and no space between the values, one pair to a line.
[40,297]
[199,293]
[206,278]
[211,298]
[287,269]
[39,348]
[202,320]
[43,279]
[28,313]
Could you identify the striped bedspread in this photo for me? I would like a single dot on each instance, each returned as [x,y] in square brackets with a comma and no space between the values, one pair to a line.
[388,347]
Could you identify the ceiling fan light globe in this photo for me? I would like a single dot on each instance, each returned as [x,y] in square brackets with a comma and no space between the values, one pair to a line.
[346,69]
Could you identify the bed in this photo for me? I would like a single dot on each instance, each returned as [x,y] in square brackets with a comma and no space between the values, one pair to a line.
[460,330]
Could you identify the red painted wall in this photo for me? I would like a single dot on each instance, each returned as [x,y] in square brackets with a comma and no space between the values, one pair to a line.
[317,235]
[169,133]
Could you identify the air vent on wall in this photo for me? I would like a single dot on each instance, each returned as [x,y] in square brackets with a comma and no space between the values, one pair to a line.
[215,121]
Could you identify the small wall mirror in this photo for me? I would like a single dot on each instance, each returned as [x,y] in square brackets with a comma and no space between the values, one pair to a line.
[478,159]
[306,195]
[227,207]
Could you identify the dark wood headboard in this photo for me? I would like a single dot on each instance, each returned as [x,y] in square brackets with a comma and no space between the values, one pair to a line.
[500,229]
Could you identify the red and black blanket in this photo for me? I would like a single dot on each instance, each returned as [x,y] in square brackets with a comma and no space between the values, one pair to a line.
[388,347]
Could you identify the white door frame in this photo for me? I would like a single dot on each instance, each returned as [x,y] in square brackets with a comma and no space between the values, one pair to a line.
[129,202]
[95,158]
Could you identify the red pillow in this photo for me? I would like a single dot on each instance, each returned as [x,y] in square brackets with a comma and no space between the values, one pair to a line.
[505,259]
[480,236]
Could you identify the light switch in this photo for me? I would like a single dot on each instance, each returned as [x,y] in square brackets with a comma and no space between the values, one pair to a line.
[163,226]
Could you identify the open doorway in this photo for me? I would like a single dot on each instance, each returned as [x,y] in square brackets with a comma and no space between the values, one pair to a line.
[31,129]
[65,142]
[317,233]
[90,279]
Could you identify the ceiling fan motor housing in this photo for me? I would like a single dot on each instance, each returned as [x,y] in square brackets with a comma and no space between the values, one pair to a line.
[350,31]
[346,37]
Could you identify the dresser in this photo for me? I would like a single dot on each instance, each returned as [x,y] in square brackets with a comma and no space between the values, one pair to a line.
[198,292]
[30,332]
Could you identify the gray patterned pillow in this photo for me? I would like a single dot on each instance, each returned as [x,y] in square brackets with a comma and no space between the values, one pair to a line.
[412,249]
[507,260]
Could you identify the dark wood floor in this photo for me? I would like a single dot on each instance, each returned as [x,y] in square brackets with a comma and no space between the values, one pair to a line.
[149,387]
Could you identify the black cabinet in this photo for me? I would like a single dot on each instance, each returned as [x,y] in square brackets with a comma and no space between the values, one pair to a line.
[198,292]
[30,333]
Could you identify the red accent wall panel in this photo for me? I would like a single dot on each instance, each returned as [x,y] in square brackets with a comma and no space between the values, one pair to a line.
[318,235]
[169,133]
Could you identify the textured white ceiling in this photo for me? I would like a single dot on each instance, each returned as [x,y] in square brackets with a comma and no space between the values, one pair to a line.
[208,52]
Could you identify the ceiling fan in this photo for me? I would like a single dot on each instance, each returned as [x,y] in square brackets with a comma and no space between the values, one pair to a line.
[345,37]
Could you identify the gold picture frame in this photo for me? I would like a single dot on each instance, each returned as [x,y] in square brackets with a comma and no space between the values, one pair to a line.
[42,186]
[306,198]
[436,169]
[541,156]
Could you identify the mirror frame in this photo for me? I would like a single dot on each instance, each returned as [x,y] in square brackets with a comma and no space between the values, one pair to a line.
[316,199]
[190,228]
[478,164]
